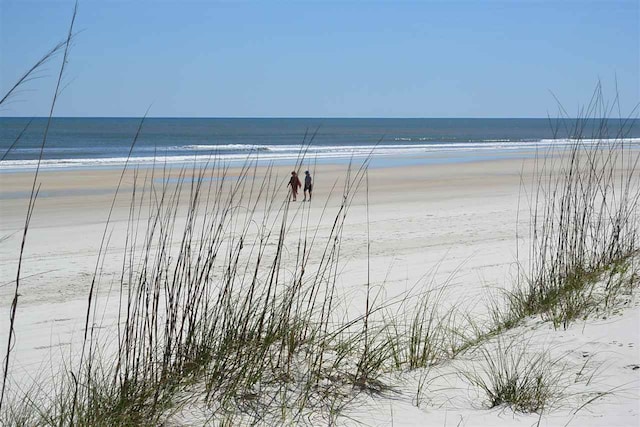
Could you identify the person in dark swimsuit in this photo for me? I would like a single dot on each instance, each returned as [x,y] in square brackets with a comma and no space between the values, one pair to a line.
[308,186]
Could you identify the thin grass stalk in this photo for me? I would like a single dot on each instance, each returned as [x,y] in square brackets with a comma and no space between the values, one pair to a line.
[35,187]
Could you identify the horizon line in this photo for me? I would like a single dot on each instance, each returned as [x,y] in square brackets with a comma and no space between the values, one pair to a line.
[315,118]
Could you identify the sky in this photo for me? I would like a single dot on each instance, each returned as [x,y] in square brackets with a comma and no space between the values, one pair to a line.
[185,58]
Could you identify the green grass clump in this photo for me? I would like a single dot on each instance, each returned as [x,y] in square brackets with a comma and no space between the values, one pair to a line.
[510,374]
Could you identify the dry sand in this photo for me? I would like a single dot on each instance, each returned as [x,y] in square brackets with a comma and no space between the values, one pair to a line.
[454,224]
[462,216]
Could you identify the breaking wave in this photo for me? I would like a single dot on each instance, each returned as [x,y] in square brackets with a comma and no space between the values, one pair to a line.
[202,153]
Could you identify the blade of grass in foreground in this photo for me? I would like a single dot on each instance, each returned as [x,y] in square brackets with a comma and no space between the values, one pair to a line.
[35,186]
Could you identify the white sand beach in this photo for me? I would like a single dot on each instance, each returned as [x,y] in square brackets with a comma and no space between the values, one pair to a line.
[462,225]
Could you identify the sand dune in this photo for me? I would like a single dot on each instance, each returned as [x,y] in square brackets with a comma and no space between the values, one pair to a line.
[463,225]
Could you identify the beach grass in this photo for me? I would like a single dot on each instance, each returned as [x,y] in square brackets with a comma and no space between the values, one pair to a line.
[511,374]
[583,225]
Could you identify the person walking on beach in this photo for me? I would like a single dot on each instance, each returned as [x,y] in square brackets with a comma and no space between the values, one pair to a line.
[308,186]
[294,182]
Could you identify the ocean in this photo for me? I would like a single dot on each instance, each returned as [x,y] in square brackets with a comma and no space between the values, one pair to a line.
[108,142]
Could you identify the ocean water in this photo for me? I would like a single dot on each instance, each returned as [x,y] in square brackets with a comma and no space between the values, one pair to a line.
[108,142]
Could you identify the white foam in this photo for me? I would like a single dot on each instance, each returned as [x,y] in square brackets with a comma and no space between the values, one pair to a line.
[222,147]
[205,153]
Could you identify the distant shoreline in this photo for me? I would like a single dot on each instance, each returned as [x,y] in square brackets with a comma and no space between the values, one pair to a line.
[376,162]
[294,118]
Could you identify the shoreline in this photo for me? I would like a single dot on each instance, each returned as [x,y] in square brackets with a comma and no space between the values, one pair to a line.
[382,154]
[375,161]
[16,177]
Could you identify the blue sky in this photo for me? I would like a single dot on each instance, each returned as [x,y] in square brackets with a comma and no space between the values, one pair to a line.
[322,59]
